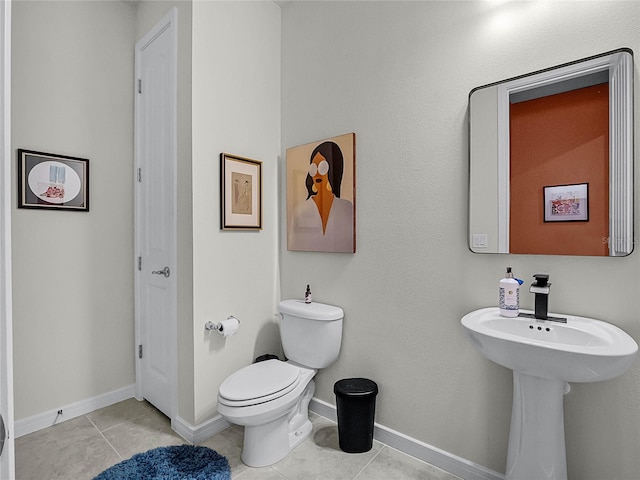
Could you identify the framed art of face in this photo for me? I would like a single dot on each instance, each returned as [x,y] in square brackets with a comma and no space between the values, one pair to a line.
[321,196]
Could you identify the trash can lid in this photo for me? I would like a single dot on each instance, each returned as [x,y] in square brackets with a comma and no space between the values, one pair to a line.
[355,387]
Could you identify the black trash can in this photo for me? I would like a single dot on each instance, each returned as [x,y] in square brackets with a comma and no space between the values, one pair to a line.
[356,405]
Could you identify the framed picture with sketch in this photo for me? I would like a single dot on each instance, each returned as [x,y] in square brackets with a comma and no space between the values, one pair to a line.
[240,193]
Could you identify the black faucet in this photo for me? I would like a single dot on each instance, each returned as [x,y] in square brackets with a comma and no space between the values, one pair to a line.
[541,289]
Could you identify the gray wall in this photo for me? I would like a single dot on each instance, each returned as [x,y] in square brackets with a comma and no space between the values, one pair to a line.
[399,74]
[229,101]
[72,271]
[236,109]
[72,94]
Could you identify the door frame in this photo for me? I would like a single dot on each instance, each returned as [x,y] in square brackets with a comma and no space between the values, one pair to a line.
[7,459]
[168,22]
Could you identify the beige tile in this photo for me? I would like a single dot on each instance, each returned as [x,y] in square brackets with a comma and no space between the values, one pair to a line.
[118,413]
[266,473]
[76,450]
[320,458]
[234,435]
[71,430]
[435,472]
[144,432]
[72,452]
[229,443]
[391,463]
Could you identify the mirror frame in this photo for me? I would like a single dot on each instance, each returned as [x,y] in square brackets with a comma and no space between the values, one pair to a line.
[619,64]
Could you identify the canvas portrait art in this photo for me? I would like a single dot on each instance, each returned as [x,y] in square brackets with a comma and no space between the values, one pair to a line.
[321,199]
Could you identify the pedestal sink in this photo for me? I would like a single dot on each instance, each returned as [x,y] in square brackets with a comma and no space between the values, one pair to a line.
[544,355]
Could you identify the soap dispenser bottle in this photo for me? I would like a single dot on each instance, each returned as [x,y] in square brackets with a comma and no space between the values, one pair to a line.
[509,296]
[307,295]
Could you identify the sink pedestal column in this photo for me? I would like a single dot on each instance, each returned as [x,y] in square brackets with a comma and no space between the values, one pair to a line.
[536,439]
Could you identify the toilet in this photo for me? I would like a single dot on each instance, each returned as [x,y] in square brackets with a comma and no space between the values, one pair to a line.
[271,398]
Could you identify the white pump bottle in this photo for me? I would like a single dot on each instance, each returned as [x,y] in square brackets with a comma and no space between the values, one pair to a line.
[509,295]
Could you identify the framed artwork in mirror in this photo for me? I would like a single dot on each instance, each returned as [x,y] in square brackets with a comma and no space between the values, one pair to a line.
[240,193]
[566,203]
[54,182]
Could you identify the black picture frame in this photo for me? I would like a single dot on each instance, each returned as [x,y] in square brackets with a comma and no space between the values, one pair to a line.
[240,193]
[52,182]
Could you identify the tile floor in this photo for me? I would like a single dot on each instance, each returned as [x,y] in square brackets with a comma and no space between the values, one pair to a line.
[81,448]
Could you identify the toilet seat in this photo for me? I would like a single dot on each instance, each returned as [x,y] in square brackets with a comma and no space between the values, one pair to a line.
[259,383]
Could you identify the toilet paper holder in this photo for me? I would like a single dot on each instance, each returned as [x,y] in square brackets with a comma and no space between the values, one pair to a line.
[217,327]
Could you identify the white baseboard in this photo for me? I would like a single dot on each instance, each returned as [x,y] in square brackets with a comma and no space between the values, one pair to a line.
[200,433]
[420,450]
[47,419]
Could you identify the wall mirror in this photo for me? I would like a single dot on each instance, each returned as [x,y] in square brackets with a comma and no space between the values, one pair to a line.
[551,160]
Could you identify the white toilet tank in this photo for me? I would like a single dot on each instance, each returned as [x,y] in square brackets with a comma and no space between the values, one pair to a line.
[311,333]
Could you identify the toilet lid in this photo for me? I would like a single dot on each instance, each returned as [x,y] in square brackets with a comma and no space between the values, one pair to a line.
[259,382]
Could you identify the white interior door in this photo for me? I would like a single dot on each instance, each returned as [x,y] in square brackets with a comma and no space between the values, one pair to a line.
[6,351]
[156,161]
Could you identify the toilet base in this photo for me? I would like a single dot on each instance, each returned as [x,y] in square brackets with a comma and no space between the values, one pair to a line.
[267,444]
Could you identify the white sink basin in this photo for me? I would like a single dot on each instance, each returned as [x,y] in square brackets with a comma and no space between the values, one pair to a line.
[581,350]
[544,356]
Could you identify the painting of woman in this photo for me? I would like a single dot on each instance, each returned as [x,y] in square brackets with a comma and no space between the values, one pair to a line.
[321,215]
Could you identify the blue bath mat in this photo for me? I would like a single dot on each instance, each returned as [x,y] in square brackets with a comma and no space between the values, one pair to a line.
[182,462]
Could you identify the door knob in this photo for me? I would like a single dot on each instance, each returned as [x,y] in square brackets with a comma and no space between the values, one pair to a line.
[165,271]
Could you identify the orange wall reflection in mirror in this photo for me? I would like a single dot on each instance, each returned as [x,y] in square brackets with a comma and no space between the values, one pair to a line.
[560,139]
